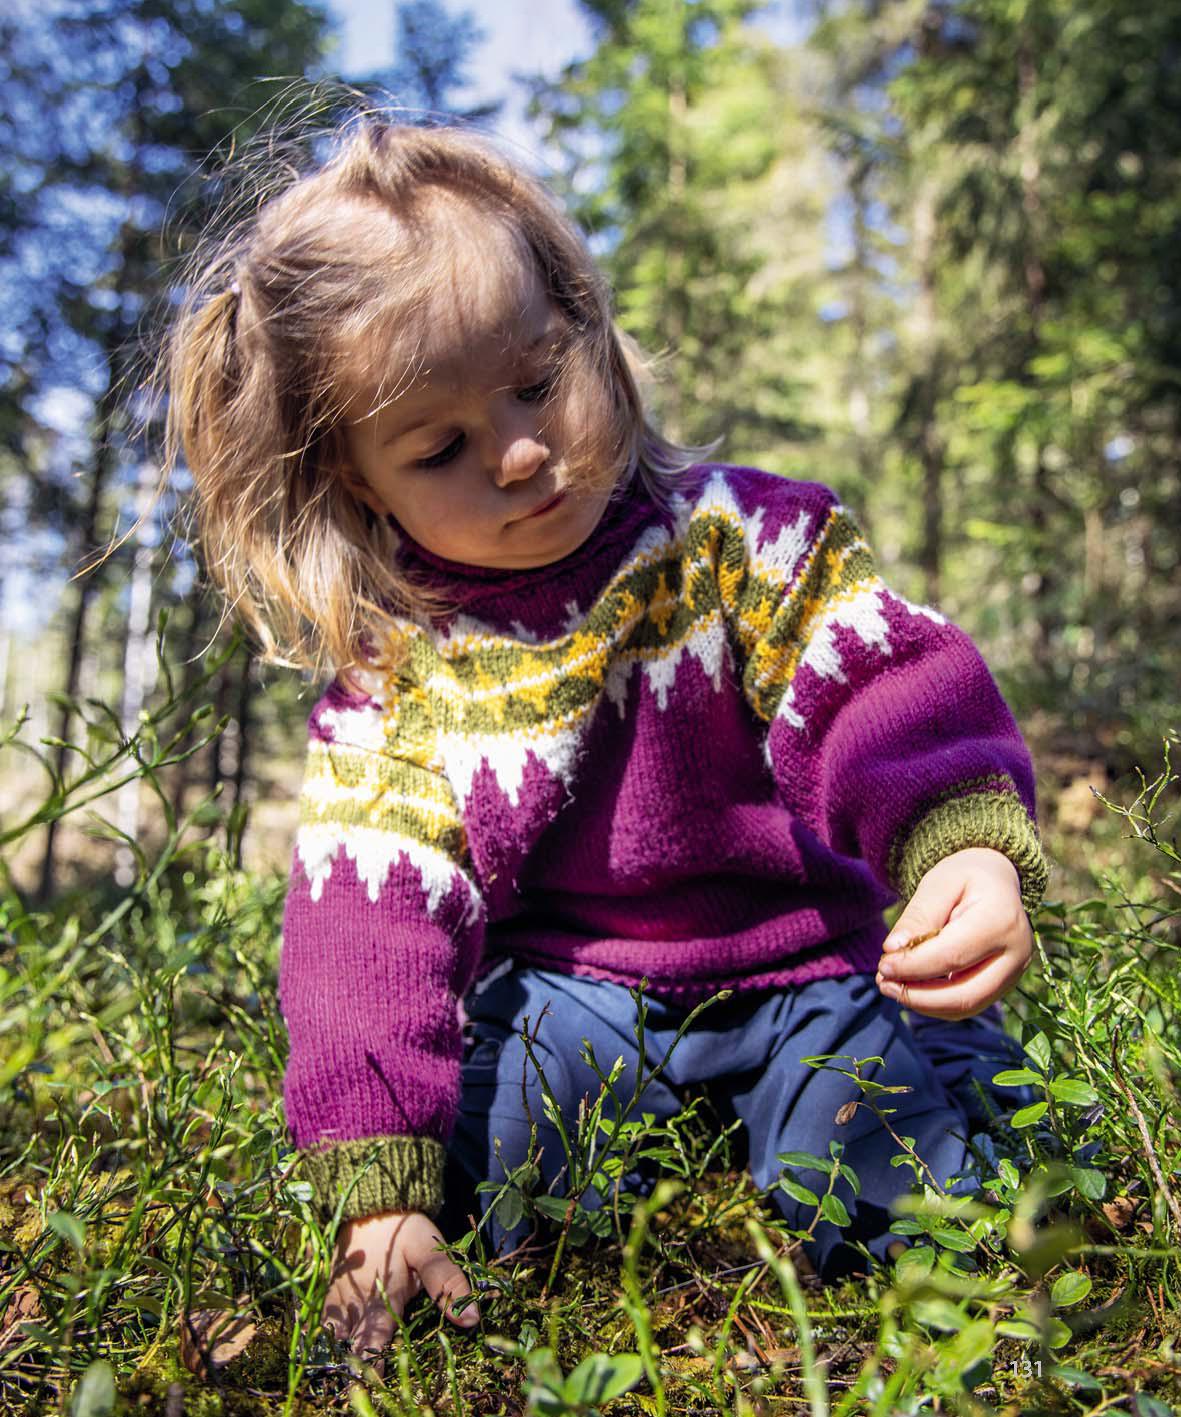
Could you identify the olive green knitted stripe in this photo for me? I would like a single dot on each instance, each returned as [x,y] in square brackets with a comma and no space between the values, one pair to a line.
[494,684]
[994,819]
[357,787]
[652,605]
[838,564]
[391,1173]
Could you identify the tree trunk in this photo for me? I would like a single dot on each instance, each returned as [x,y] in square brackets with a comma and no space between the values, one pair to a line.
[1044,595]
[242,766]
[114,344]
[87,586]
[929,440]
[675,268]
[858,392]
[137,674]
[198,635]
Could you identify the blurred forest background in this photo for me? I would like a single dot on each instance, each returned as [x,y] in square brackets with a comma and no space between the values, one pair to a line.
[929,253]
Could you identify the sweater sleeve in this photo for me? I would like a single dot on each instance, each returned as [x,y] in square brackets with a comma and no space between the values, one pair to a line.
[886,732]
[382,932]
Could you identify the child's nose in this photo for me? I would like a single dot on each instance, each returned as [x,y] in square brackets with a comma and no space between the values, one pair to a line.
[521,458]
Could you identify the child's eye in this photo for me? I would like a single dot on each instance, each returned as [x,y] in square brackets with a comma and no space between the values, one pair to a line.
[444,455]
[534,393]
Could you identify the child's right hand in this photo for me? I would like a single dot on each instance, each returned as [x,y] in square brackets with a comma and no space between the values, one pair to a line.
[403,1249]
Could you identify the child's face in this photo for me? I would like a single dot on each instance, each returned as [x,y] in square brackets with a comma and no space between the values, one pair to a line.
[469,459]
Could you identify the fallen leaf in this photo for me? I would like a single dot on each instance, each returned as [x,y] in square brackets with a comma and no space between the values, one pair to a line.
[783,1355]
[23,1307]
[1119,1210]
[212,1338]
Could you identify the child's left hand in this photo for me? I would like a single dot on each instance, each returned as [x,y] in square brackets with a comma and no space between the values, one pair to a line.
[963,940]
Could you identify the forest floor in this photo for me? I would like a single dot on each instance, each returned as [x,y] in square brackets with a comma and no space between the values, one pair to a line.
[158,1252]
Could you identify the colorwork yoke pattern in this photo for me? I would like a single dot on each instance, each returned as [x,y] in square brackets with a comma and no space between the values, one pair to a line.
[706,749]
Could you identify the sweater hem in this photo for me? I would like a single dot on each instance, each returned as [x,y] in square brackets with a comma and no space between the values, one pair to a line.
[857,953]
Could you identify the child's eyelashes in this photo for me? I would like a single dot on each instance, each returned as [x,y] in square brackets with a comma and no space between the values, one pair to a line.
[444,455]
[527,393]
[534,393]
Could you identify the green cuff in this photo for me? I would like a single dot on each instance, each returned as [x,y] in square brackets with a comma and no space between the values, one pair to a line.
[994,819]
[390,1173]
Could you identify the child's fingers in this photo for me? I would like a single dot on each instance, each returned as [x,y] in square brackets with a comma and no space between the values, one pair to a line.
[441,1277]
[373,1333]
[961,996]
[928,910]
[447,1285]
[959,946]
[338,1320]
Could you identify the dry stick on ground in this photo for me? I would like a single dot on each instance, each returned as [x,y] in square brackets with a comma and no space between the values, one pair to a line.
[1145,1134]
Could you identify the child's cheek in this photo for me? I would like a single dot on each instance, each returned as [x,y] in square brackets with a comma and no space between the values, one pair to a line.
[584,426]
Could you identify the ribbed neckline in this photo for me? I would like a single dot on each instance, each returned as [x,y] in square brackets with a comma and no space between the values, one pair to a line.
[629,509]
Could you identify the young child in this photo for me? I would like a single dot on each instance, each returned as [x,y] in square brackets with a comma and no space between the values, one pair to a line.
[602,713]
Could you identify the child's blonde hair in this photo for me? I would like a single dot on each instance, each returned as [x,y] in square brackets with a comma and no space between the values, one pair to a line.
[341,263]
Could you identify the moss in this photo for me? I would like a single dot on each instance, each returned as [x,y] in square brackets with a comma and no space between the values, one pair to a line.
[253,1385]
[160,1367]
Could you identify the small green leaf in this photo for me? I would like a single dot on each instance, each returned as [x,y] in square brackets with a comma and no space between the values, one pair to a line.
[1009,1173]
[95,1394]
[1027,1116]
[937,1312]
[1038,1048]
[1017,1328]
[603,1376]
[806,1159]
[1070,1288]
[798,1192]
[70,1228]
[509,1209]
[1017,1077]
[600,1222]
[953,1239]
[1090,1183]
[1073,1377]
[914,1264]
[1073,1092]
[1057,1333]
[833,1208]
[1145,1406]
[972,1344]
[552,1207]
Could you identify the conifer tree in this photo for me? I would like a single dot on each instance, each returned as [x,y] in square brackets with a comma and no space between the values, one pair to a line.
[125,93]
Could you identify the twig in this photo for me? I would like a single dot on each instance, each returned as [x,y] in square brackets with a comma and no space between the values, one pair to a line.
[1145,1134]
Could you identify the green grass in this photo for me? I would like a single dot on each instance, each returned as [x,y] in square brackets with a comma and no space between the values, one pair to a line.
[146,1176]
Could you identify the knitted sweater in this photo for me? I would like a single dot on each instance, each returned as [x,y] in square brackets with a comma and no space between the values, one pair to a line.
[706,749]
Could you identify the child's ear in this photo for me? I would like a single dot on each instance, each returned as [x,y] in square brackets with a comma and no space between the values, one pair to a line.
[360,489]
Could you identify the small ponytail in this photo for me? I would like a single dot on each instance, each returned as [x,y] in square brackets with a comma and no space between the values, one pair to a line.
[203,375]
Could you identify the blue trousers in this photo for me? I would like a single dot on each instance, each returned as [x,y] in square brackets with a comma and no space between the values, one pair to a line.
[745,1053]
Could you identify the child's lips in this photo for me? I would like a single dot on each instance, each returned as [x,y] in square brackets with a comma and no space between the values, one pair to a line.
[545,506]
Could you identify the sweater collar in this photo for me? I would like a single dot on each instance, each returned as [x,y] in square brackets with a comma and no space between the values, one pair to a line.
[583,571]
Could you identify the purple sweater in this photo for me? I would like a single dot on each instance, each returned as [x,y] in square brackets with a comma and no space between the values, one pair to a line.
[706,749]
